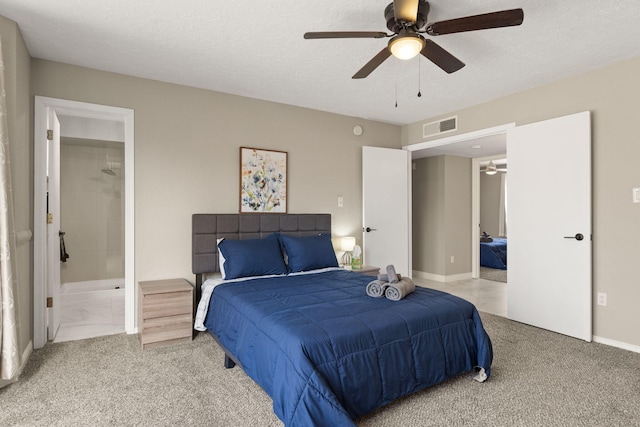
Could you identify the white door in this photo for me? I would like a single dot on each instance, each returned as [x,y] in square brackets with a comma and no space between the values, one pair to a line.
[386,200]
[53,225]
[549,217]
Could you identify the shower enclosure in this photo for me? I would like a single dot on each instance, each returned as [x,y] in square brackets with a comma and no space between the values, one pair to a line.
[92,219]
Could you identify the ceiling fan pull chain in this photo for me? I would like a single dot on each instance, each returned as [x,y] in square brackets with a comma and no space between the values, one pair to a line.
[419,79]
[396,84]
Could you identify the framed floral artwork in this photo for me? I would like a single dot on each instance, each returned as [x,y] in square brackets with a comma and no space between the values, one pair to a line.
[263,181]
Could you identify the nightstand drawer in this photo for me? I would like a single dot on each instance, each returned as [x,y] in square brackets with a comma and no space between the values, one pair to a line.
[166,328]
[166,304]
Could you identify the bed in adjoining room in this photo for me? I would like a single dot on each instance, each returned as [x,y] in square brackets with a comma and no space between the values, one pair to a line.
[493,254]
[306,331]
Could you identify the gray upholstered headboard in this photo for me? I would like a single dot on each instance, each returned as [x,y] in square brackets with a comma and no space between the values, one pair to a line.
[207,228]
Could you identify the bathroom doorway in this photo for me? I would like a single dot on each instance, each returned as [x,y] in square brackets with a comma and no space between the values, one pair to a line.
[88,122]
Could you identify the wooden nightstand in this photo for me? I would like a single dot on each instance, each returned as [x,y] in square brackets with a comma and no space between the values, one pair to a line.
[165,312]
[366,269]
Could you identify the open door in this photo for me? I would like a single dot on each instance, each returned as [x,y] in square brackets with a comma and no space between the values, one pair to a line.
[549,217]
[386,194]
[53,225]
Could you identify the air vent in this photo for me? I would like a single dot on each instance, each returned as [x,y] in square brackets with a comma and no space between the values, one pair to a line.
[449,124]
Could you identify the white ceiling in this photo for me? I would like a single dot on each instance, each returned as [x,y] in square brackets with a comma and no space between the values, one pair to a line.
[256,48]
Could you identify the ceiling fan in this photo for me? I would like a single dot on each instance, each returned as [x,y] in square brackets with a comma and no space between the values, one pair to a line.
[407,20]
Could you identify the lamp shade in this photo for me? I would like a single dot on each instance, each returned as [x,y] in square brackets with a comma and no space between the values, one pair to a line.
[347,243]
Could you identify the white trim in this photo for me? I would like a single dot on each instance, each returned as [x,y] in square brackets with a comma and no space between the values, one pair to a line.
[459,138]
[440,278]
[618,344]
[78,109]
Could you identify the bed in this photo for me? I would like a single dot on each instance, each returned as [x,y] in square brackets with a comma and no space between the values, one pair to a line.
[494,254]
[324,351]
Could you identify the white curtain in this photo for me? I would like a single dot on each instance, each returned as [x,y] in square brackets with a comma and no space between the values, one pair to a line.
[9,352]
[502,216]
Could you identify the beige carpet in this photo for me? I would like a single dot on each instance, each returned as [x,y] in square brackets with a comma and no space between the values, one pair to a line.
[539,379]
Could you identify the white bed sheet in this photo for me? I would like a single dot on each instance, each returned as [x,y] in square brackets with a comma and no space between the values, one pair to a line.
[209,285]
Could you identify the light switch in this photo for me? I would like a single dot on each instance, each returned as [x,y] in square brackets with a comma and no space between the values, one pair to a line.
[340,201]
[636,195]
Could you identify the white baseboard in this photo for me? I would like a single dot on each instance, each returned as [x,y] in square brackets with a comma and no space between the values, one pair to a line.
[440,278]
[618,344]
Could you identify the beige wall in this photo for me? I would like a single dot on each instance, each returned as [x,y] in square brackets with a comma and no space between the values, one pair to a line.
[92,210]
[613,96]
[19,106]
[457,189]
[186,155]
[429,241]
[442,216]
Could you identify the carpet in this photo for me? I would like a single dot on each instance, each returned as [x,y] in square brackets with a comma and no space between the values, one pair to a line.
[539,378]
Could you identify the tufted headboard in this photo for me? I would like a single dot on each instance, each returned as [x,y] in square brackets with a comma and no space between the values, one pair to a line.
[207,228]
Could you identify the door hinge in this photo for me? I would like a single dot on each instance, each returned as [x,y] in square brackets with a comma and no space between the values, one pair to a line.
[49,134]
[49,302]
[49,218]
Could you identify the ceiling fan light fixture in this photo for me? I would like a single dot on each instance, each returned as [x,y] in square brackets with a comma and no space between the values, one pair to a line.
[406,46]
[491,169]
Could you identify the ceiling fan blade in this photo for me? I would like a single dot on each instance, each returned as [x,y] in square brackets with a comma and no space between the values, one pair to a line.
[345,35]
[505,18]
[443,59]
[405,10]
[372,64]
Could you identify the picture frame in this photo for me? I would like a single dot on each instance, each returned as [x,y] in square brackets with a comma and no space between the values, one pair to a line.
[263,180]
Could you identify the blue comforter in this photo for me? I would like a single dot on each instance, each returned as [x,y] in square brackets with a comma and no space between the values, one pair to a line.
[494,254]
[327,353]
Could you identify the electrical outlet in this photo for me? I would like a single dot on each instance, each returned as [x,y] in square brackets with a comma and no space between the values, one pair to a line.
[452,259]
[602,299]
[340,201]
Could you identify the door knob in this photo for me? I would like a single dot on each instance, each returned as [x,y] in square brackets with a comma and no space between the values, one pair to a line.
[369,229]
[578,236]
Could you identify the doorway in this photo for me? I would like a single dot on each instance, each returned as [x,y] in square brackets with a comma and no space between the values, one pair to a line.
[91,122]
[92,182]
[483,145]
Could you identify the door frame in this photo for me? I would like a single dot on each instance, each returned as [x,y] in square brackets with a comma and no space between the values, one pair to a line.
[475,179]
[81,110]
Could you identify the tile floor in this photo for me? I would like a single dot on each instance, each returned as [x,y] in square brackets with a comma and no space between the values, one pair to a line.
[85,316]
[488,296]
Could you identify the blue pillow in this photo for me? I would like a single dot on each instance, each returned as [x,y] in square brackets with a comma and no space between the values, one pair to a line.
[252,257]
[309,253]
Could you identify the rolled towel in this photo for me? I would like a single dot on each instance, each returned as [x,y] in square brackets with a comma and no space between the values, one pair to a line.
[391,274]
[376,288]
[399,290]
[385,278]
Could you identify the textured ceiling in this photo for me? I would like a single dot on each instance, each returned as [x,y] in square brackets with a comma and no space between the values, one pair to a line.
[256,48]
